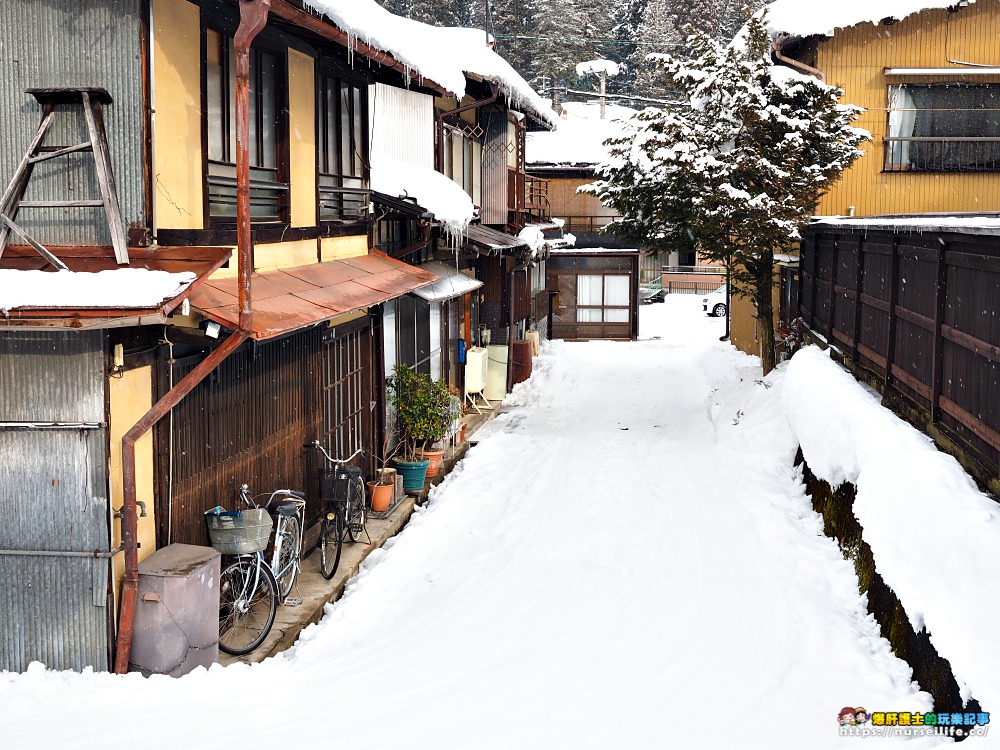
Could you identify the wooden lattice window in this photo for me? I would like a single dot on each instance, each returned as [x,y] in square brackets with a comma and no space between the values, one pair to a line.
[343,394]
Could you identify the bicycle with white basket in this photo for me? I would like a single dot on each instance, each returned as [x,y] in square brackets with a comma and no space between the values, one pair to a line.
[250,589]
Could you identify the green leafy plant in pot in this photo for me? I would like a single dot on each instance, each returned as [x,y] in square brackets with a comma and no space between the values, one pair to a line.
[424,412]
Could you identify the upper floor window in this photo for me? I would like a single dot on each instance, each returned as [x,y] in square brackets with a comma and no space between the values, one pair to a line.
[342,119]
[268,192]
[943,127]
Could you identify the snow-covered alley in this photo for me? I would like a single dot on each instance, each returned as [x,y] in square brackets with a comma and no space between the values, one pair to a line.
[627,559]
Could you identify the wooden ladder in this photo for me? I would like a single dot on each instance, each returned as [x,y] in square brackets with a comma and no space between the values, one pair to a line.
[91,100]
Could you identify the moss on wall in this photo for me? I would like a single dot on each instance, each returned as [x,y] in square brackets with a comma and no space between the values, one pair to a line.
[930,670]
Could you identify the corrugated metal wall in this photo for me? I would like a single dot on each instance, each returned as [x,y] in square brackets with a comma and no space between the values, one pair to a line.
[72,43]
[855,59]
[53,497]
[496,151]
[401,125]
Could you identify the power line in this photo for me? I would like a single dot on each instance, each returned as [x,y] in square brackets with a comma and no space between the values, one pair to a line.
[581,40]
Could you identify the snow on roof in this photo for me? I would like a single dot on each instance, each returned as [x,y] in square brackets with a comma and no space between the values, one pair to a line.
[117,288]
[443,197]
[579,139]
[806,18]
[441,54]
[598,66]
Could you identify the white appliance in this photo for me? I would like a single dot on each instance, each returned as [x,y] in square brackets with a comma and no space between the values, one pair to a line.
[496,373]
[475,369]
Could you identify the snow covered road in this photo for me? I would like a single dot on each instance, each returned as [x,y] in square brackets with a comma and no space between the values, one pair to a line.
[625,560]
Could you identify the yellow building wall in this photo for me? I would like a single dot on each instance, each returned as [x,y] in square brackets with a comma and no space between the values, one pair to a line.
[338,248]
[855,60]
[177,178]
[302,138]
[270,257]
[743,322]
[131,396]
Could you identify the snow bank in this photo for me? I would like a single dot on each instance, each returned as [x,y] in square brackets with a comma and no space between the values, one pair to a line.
[935,537]
[440,195]
[120,287]
[441,54]
[805,18]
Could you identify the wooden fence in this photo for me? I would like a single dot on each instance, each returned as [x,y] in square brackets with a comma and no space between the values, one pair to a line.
[919,316]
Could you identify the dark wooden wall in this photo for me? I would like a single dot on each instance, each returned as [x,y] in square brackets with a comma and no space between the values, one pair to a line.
[920,314]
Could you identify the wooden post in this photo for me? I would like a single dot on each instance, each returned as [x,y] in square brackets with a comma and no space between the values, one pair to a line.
[890,353]
[859,283]
[937,356]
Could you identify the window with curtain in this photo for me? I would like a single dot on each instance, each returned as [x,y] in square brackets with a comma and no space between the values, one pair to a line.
[602,298]
[943,127]
[268,192]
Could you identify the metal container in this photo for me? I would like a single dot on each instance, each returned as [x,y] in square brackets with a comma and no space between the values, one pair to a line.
[239,532]
[177,615]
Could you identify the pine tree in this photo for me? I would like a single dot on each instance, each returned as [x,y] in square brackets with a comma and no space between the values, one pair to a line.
[740,170]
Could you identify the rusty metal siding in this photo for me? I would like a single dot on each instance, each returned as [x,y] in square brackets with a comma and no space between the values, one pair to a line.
[69,43]
[53,497]
[401,125]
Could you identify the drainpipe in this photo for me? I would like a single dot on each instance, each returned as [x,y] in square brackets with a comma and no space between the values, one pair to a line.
[778,44]
[439,117]
[253,16]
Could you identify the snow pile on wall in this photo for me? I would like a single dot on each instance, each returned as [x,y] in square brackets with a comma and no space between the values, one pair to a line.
[934,536]
[443,197]
[120,287]
[805,18]
[441,54]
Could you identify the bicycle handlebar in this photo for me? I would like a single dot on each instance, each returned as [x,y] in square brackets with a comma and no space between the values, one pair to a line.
[335,461]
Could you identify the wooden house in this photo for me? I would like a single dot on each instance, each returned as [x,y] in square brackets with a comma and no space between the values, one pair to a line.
[929,83]
[129,416]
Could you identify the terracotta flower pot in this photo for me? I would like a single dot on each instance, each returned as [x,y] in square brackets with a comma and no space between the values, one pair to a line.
[435,461]
[381,495]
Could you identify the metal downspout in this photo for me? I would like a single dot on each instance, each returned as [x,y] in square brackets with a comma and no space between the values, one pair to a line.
[439,117]
[253,17]
[778,44]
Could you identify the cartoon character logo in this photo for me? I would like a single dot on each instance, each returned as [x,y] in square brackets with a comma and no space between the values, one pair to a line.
[846,716]
[860,715]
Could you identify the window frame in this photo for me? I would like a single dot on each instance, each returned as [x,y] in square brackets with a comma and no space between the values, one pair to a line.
[275,192]
[935,153]
[350,202]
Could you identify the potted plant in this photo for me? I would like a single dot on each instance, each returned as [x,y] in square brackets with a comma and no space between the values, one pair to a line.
[383,487]
[423,411]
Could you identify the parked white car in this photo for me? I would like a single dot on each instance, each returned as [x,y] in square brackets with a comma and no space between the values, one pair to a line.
[715,303]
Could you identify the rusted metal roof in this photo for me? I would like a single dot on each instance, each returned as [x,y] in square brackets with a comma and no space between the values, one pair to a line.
[292,298]
[202,261]
[490,241]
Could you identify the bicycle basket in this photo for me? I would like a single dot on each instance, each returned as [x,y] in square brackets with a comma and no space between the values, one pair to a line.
[334,485]
[239,532]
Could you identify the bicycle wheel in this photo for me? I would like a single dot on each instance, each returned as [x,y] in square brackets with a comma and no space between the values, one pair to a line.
[248,599]
[285,567]
[331,541]
[356,513]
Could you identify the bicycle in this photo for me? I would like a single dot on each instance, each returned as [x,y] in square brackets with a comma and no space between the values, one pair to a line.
[342,490]
[248,592]
[250,589]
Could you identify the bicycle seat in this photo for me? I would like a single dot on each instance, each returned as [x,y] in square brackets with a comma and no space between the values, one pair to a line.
[287,509]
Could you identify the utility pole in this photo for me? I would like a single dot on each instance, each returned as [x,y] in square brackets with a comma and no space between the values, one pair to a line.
[604,89]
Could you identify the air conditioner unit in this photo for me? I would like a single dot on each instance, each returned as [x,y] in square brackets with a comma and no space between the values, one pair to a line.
[475,369]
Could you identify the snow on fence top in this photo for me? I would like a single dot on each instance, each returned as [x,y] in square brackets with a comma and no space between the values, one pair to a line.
[598,66]
[440,195]
[440,54]
[117,288]
[934,536]
[805,18]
